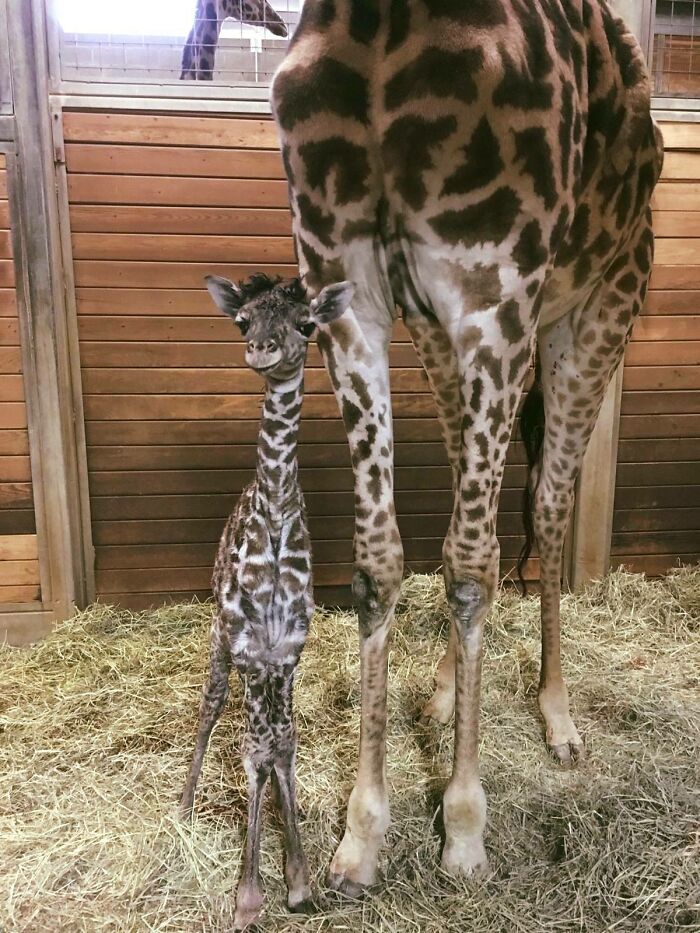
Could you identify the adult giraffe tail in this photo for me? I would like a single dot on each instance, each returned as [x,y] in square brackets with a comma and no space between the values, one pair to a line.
[532,434]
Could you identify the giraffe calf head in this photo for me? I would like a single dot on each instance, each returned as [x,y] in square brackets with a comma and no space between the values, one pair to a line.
[276,318]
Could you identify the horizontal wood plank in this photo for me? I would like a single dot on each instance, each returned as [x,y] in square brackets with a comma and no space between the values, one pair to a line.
[228,407]
[177,192]
[8,302]
[96,158]
[659,497]
[667,327]
[653,565]
[680,519]
[19,572]
[19,547]
[659,402]
[661,426]
[337,503]
[19,594]
[637,378]
[105,274]
[644,473]
[183,248]
[13,441]
[672,301]
[227,221]
[170,130]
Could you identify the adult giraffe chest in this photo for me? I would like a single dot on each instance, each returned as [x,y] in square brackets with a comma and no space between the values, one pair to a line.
[429,119]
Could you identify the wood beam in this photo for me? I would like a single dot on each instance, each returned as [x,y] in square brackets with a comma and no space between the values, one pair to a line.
[49,363]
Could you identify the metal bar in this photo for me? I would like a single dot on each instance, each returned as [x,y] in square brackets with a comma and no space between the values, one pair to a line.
[5,81]
[190,105]
[185,91]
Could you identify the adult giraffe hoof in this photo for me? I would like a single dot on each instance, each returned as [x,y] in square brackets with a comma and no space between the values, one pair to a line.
[568,754]
[465,859]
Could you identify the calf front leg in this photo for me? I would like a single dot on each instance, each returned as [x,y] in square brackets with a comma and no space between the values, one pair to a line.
[356,353]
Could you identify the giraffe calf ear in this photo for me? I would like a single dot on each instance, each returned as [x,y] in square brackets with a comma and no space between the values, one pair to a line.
[331,302]
[226,295]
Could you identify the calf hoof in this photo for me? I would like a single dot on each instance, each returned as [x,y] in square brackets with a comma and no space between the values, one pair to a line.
[306,906]
[248,908]
[439,708]
[186,806]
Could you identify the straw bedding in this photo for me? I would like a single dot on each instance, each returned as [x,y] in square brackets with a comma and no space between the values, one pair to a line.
[97,726]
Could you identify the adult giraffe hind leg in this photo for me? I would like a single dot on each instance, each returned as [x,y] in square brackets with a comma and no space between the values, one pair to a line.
[492,348]
[440,363]
[579,354]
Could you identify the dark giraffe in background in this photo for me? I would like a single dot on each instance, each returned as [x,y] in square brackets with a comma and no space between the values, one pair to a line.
[486,167]
[262,577]
[200,48]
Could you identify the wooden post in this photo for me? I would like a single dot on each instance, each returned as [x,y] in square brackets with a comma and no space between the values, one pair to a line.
[51,370]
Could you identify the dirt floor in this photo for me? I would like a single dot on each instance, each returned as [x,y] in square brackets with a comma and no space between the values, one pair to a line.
[97,726]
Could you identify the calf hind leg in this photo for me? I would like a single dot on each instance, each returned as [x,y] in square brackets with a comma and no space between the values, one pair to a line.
[296,870]
[214,695]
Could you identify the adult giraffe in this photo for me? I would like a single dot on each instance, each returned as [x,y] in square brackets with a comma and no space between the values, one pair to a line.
[485,166]
[199,51]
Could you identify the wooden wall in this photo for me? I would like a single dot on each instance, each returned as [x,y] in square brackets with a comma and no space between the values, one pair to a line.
[657,503]
[156,202]
[19,565]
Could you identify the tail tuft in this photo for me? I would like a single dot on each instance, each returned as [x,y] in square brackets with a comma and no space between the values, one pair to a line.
[532,424]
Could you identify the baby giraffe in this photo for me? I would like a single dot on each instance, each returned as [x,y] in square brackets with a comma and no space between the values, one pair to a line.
[262,576]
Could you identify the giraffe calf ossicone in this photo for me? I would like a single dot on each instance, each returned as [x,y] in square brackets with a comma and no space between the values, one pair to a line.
[262,576]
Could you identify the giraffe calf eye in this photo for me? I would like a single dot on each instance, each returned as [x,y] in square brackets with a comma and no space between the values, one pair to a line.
[242,323]
[307,328]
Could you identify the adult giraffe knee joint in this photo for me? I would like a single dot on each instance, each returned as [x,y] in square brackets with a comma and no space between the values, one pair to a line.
[467,600]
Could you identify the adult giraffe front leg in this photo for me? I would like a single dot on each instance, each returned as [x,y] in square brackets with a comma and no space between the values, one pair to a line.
[356,352]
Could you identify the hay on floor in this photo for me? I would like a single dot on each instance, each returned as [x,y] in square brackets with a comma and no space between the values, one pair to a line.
[97,726]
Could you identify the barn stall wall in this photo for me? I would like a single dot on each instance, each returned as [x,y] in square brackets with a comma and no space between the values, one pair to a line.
[156,202]
[140,414]
[657,498]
